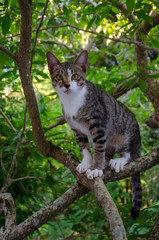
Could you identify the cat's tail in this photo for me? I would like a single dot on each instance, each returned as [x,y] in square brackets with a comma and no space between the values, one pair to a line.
[137,195]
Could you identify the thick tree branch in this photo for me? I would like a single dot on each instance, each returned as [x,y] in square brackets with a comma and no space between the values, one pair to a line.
[45,214]
[152,85]
[25,76]
[107,204]
[8,207]
[137,166]
[42,216]
[155,231]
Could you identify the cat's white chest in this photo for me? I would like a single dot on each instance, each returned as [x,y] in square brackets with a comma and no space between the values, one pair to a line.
[80,127]
[73,102]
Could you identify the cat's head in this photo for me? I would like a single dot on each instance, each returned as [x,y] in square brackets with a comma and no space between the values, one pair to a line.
[68,77]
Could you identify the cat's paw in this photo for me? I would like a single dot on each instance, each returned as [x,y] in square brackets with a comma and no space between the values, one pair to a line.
[94,173]
[83,167]
[117,164]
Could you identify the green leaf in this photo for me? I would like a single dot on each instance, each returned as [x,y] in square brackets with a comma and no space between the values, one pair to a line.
[49,181]
[30,135]
[130,5]
[147,18]
[151,76]
[6,24]
[156,4]
[142,85]
[155,43]
[114,9]
[79,228]
[66,11]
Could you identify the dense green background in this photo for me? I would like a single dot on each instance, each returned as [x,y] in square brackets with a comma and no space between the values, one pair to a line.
[110,63]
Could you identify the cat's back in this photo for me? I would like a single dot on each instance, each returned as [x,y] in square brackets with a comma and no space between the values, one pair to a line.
[101,104]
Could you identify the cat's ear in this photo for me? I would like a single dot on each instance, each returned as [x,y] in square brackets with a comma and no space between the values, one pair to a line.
[52,61]
[82,60]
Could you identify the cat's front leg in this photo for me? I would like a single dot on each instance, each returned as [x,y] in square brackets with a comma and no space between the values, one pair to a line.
[99,147]
[86,161]
[83,143]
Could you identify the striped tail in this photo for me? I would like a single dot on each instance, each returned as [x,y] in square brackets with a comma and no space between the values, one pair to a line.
[137,195]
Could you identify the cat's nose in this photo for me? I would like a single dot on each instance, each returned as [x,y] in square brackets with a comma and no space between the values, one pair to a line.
[67,86]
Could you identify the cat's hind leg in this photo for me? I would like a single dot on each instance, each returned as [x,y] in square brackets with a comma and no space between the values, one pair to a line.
[118,163]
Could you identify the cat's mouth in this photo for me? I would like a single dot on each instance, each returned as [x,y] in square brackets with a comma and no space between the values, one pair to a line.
[68,91]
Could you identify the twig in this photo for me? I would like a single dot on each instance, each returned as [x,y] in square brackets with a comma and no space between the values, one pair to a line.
[58,42]
[120,89]
[104,36]
[26,177]
[14,161]
[8,121]
[98,34]
[60,121]
[36,34]
[90,39]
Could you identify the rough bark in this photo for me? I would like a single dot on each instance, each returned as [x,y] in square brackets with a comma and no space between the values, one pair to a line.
[45,214]
[141,53]
[7,206]
[109,208]
[25,75]
[152,85]
[42,216]
[155,231]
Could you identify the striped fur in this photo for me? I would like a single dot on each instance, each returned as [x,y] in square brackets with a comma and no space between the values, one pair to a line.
[92,112]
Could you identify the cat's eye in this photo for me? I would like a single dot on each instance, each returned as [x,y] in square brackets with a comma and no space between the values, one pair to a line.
[59,77]
[75,76]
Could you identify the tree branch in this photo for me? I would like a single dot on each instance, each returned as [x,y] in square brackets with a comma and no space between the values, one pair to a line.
[152,85]
[8,180]
[107,204]
[120,89]
[56,207]
[8,121]
[42,216]
[8,207]
[60,121]
[25,76]
[122,7]
[155,231]
[135,42]
[9,53]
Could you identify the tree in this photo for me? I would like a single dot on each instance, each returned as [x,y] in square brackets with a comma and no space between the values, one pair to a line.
[131,30]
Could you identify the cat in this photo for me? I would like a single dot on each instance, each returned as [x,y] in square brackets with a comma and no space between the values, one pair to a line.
[92,112]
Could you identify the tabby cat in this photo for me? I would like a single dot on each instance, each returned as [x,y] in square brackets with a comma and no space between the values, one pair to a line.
[92,112]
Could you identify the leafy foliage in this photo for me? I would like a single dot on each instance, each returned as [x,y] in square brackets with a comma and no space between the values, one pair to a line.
[111,63]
